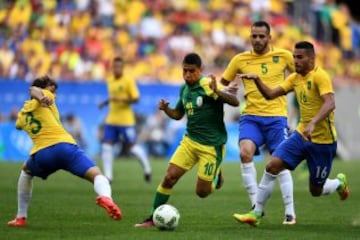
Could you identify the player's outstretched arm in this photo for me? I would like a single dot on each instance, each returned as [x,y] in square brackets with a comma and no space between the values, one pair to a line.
[268,93]
[36,93]
[171,112]
[226,96]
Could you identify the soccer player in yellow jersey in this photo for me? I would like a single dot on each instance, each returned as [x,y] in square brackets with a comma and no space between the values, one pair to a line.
[262,121]
[314,138]
[120,121]
[53,149]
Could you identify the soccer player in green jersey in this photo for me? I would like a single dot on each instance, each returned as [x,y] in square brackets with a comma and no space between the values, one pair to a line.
[201,100]
[262,122]
[314,138]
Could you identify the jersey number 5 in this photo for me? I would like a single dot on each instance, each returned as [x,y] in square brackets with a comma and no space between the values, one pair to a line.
[35,124]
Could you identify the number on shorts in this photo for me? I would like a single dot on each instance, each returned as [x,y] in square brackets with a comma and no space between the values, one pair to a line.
[209,167]
[321,172]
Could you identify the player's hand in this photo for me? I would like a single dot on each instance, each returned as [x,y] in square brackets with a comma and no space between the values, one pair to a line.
[248,76]
[213,84]
[163,104]
[45,101]
[233,87]
[308,130]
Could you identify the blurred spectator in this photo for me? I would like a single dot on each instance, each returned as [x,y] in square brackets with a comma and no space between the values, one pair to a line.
[76,39]
[73,125]
[153,134]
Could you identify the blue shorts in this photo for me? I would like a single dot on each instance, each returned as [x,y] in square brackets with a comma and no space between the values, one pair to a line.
[270,131]
[64,156]
[115,134]
[319,157]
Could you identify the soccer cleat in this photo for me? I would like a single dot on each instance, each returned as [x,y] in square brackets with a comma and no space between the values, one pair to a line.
[343,189]
[146,223]
[289,220]
[17,222]
[112,209]
[251,218]
[147,177]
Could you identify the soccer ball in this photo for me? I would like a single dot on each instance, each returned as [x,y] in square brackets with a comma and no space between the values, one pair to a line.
[166,217]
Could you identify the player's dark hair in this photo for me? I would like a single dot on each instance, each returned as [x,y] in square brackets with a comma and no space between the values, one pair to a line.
[118,59]
[262,24]
[309,47]
[193,58]
[44,81]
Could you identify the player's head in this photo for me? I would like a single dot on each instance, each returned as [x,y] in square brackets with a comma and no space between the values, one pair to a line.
[304,57]
[118,66]
[45,82]
[192,67]
[260,37]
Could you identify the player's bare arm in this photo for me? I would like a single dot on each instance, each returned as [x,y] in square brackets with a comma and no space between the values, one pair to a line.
[36,93]
[327,107]
[171,112]
[224,81]
[227,96]
[268,93]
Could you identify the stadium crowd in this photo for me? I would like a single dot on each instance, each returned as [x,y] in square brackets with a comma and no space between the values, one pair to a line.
[75,40]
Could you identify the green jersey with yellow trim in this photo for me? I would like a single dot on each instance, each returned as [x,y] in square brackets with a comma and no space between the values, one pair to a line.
[205,113]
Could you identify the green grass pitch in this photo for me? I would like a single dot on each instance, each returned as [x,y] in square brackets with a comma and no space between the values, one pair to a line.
[63,207]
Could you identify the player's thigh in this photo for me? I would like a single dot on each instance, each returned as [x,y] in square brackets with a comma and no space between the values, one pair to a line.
[250,130]
[42,163]
[210,160]
[111,133]
[291,151]
[75,160]
[128,134]
[319,159]
[276,130]
[185,155]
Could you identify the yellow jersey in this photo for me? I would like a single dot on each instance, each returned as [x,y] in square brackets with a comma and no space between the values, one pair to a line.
[270,67]
[308,90]
[120,113]
[42,124]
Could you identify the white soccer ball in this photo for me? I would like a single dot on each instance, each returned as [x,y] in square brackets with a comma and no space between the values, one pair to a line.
[166,217]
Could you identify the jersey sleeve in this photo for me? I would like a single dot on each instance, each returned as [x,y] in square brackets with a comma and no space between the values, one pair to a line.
[231,70]
[179,104]
[205,84]
[289,61]
[133,89]
[48,94]
[288,84]
[323,81]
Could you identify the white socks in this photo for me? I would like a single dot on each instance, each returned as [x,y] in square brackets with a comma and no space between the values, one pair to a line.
[330,186]
[249,176]
[286,187]
[266,187]
[102,186]
[107,157]
[24,193]
[140,153]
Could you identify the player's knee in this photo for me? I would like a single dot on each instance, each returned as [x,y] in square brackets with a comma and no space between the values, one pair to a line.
[246,156]
[275,166]
[203,193]
[316,191]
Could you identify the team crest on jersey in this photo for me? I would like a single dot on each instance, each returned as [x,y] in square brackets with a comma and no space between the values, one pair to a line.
[199,101]
[275,59]
[309,84]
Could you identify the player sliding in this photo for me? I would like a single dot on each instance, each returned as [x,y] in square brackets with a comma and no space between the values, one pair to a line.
[315,135]
[53,149]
